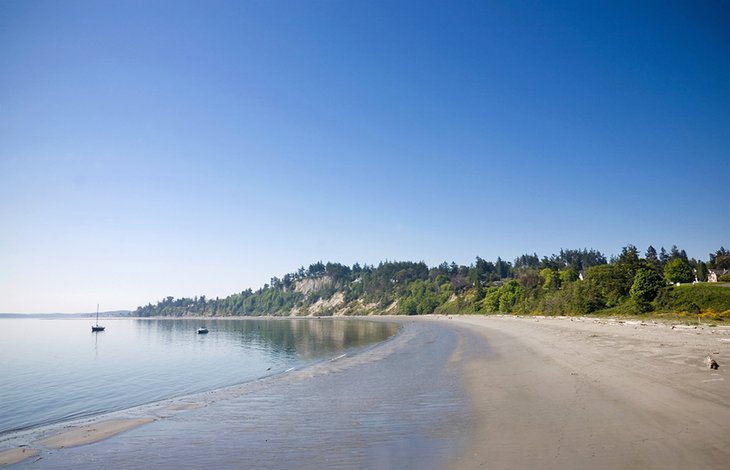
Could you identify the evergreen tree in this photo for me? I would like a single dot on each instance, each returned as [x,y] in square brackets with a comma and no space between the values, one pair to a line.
[527,261]
[502,268]
[663,258]
[629,256]
[720,259]
[652,258]
[677,253]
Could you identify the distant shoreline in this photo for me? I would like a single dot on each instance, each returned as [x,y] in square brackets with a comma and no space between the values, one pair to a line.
[110,314]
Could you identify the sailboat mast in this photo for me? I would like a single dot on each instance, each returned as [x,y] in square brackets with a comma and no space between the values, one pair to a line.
[95,328]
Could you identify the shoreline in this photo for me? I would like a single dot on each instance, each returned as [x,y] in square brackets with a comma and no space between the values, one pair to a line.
[360,408]
[81,431]
[18,422]
[90,433]
[554,392]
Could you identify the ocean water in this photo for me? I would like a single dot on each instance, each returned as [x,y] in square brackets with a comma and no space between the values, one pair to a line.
[57,369]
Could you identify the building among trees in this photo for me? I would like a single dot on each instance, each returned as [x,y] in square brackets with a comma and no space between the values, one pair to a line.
[713,275]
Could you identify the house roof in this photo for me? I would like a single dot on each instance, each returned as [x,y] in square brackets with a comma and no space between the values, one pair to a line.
[719,272]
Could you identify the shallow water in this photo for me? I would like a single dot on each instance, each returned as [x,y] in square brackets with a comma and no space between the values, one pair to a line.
[55,370]
[395,405]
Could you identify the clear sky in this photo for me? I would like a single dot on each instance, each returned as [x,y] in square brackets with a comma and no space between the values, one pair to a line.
[155,148]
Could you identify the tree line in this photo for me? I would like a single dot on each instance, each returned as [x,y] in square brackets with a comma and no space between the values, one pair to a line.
[573,281]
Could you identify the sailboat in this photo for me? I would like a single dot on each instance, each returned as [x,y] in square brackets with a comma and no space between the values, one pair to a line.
[97,327]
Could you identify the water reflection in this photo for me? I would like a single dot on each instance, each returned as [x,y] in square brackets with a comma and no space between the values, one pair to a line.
[304,338]
[96,345]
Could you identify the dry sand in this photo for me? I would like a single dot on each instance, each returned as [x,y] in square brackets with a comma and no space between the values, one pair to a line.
[577,393]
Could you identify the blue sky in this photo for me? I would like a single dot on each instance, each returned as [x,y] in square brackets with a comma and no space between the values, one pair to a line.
[184,148]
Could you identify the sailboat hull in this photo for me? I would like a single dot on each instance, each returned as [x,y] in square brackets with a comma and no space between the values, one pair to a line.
[97,327]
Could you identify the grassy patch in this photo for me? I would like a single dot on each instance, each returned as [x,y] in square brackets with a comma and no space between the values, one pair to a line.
[694,299]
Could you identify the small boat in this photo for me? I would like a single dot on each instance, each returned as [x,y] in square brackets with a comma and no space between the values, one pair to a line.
[202,331]
[97,327]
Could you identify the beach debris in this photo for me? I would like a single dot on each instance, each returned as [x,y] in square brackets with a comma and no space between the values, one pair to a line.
[712,363]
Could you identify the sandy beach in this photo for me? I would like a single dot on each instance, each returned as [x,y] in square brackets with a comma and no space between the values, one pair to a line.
[577,392]
[447,392]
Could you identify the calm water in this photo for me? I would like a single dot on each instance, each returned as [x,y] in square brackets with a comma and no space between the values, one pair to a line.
[54,370]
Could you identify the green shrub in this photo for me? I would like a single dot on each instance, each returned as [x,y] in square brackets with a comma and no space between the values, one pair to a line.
[678,270]
[645,288]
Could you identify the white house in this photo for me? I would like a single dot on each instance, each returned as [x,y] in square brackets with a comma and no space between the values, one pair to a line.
[714,274]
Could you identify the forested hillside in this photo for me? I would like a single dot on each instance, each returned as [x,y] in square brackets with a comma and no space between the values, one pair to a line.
[570,282]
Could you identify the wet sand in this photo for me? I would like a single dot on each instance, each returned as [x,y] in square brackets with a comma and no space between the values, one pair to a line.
[77,436]
[461,392]
[17,454]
